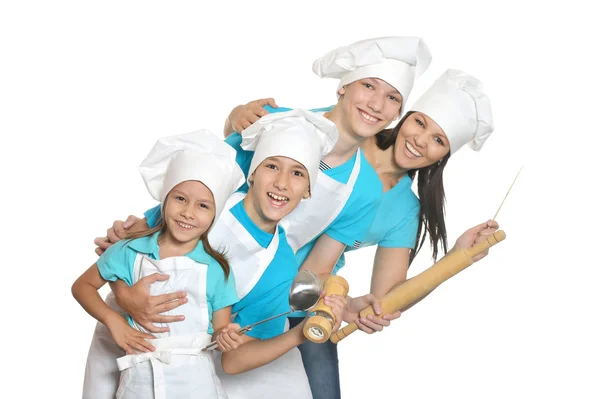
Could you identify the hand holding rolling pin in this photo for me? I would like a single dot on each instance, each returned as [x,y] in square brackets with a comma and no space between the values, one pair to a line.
[372,323]
[475,235]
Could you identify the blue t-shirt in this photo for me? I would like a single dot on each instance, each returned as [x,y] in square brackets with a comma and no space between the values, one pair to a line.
[270,295]
[117,263]
[351,224]
[396,222]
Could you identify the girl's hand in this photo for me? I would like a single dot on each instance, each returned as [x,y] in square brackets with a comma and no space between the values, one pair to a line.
[243,116]
[228,339]
[128,338]
[338,305]
[371,323]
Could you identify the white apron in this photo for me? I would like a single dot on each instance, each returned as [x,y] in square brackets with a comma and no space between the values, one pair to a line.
[177,368]
[101,372]
[285,377]
[312,217]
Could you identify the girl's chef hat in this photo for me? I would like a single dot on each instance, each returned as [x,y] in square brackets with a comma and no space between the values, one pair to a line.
[457,103]
[199,155]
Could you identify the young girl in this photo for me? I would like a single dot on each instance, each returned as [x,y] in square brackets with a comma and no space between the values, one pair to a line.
[192,183]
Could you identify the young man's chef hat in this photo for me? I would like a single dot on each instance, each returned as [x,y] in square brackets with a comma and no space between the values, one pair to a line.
[457,103]
[198,156]
[398,60]
[301,135]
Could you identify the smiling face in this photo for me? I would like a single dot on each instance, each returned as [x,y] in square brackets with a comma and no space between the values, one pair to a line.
[368,106]
[420,142]
[188,212]
[278,185]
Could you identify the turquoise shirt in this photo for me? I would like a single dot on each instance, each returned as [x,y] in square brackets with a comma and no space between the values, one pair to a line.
[117,263]
[396,222]
[270,295]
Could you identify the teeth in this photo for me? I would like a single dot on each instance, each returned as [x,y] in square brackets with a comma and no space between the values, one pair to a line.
[185,226]
[413,150]
[278,197]
[368,117]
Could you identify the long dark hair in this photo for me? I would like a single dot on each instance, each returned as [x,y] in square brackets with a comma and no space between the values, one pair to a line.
[430,185]
[161,226]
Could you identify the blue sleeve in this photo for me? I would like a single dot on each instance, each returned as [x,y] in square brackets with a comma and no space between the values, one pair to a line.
[353,222]
[116,263]
[152,216]
[404,234]
[220,292]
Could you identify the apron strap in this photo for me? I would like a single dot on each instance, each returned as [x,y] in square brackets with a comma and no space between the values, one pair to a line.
[166,348]
[157,359]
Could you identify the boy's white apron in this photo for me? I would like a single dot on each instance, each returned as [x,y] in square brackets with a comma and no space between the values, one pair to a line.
[312,217]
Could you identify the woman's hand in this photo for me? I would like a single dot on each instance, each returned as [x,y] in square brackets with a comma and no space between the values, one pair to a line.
[371,323]
[128,338]
[474,236]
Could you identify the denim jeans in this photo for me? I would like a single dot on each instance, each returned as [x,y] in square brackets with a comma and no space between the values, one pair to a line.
[321,365]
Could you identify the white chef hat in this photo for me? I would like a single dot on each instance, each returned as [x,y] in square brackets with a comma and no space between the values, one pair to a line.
[301,135]
[398,60]
[457,103]
[199,155]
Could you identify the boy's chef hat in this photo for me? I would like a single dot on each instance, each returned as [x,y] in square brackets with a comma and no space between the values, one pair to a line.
[301,135]
[398,60]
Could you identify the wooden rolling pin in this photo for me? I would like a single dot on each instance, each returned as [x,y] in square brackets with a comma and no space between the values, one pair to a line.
[422,284]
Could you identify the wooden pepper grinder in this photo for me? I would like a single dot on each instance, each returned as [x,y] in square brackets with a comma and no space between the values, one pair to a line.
[321,319]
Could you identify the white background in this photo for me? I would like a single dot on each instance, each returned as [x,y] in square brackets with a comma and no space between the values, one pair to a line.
[87,87]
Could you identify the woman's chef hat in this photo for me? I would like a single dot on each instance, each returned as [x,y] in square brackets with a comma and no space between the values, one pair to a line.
[301,135]
[398,60]
[198,156]
[456,103]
